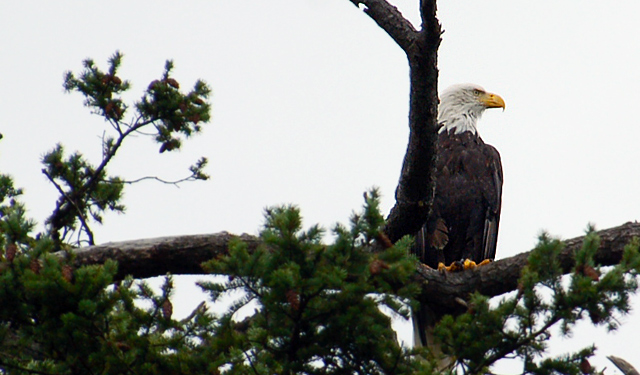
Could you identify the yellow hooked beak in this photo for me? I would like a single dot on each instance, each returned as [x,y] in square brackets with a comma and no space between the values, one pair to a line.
[492,100]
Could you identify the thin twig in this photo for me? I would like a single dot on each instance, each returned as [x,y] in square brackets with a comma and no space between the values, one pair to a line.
[176,182]
[486,362]
[251,363]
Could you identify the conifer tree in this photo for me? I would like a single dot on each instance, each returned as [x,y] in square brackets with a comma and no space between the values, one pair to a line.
[312,304]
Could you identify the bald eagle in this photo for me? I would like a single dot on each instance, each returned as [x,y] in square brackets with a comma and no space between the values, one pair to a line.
[463,223]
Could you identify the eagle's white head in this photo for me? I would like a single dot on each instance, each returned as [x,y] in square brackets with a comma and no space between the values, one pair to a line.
[462,105]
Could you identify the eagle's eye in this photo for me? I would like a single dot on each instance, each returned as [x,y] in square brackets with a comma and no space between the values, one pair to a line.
[477,92]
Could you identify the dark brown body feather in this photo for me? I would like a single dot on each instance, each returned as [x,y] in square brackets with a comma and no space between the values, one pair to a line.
[463,223]
[466,209]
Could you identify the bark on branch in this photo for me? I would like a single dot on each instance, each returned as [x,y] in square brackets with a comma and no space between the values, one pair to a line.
[181,255]
[624,366]
[414,194]
[390,20]
[184,254]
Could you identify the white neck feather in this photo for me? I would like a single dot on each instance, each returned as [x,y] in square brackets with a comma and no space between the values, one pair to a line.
[465,122]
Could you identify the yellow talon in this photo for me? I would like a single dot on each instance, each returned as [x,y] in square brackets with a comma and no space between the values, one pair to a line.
[484,262]
[469,264]
[455,266]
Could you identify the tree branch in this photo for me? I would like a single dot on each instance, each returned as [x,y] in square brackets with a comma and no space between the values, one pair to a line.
[66,202]
[416,187]
[181,255]
[624,366]
[502,276]
[390,20]
[414,194]
[184,254]
[176,182]
[73,204]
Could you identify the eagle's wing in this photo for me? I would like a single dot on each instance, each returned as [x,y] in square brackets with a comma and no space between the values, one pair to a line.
[493,196]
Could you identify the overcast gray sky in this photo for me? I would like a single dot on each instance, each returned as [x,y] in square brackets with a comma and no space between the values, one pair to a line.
[310,107]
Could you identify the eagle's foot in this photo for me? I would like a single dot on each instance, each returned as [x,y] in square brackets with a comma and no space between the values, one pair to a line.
[453,267]
[469,264]
[461,265]
[456,266]
[485,262]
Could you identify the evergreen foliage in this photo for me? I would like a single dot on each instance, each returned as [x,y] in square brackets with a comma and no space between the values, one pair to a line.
[316,305]
[86,190]
[301,306]
[520,326]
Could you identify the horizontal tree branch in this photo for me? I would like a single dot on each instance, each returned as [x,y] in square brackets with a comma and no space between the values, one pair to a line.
[180,255]
[184,254]
[502,276]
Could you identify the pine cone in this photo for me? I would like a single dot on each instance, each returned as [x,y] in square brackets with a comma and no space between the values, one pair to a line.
[183,106]
[67,273]
[173,83]
[10,252]
[591,273]
[35,266]
[520,289]
[384,240]
[588,271]
[167,309]
[195,118]
[153,85]
[585,367]
[294,299]
[376,266]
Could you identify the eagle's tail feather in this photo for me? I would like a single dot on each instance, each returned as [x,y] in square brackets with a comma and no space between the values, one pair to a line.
[424,321]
